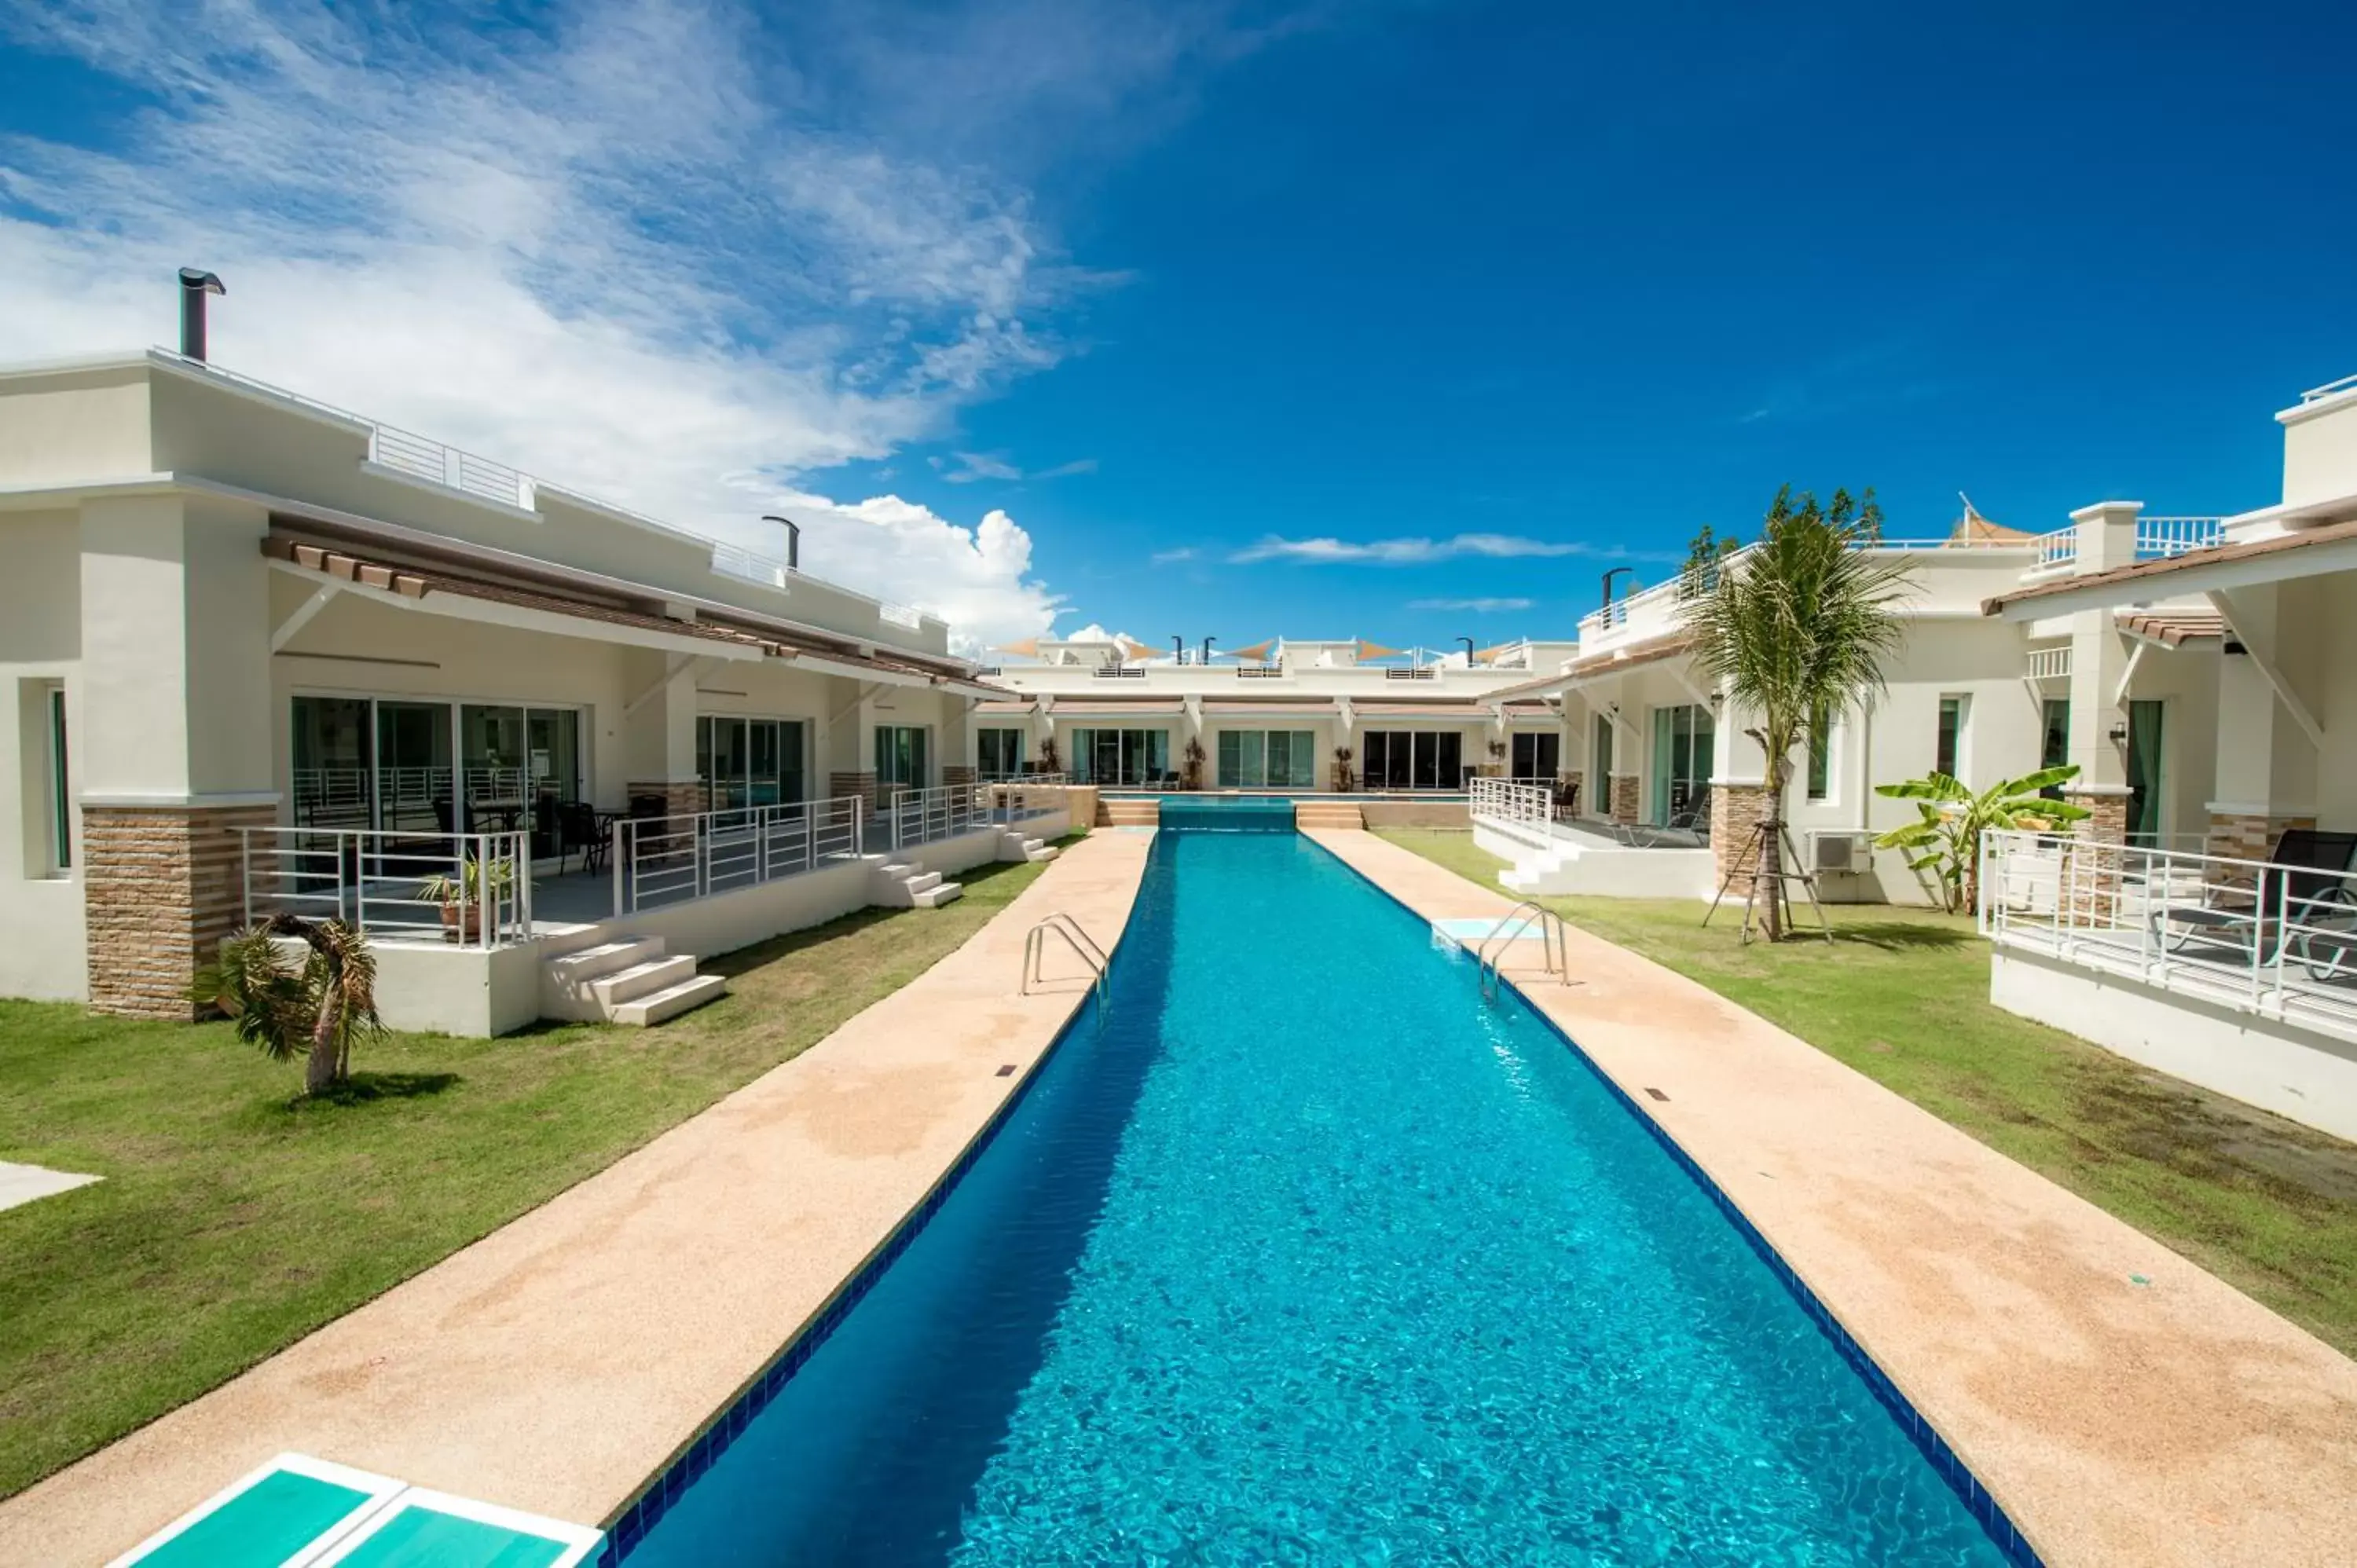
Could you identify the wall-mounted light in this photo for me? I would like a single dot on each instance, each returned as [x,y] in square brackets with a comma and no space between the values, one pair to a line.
[2119,735]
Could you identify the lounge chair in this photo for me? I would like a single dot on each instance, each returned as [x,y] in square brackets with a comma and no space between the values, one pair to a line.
[1688,828]
[2305,884]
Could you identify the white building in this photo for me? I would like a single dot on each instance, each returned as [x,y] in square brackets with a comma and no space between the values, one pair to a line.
[260,654]
[1290,716]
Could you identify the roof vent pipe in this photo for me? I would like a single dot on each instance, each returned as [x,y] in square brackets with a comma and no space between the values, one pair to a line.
[1207,649]
[1616,572]
[1178,649]
[194,286]
[793,540]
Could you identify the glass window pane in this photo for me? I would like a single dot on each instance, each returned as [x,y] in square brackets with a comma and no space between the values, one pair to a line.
[60,785]
[413,767]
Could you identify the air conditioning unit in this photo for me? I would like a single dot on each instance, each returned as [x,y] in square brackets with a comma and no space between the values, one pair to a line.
[1840,854]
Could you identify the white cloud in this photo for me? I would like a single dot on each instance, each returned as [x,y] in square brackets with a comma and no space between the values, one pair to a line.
[972,465]
[1405,552]
[610,250]
[1171,557]
[1067,470]
[1475,606]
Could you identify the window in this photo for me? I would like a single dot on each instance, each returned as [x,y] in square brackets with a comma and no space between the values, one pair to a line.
[748,762]
[1599,789]
[1121,757]
[1948,753]
[363,762]
[900,758]
[998,753]
[1538,756]
[2054,743]
[1279,759]
[2144,773]
[1415,759]
[514,763]
[1820,755]
[60,784]
[1683,740]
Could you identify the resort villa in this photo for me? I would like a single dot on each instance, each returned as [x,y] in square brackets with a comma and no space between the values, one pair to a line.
[260,654]
[1241,1183]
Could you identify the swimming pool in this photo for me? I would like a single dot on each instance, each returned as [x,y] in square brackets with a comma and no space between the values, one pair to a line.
[1300,1253]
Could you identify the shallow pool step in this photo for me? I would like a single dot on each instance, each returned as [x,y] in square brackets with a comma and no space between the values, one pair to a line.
[1328,814]
[670,1001]
[1129,814]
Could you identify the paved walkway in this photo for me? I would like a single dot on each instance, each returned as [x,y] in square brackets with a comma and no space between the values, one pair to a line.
[2173,1422]
[555,1365]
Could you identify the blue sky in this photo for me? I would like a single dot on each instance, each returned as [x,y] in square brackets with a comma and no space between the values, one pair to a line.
[1399,321]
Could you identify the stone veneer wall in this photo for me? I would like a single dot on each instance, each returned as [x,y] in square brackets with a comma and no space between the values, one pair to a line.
[682,797]
[2095,877]
[2238,835]
[953,776]
[1735,811]
[859,786]
[1625,805]
[161,887]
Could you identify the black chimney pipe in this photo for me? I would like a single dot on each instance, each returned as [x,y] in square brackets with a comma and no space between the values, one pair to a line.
[1616,572]
[1178,649]
[194,286]
[793,540]
[1469,650]
[1207,649]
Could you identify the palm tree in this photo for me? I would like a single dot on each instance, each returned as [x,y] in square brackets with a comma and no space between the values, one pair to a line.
[1795,629]
[316,1011]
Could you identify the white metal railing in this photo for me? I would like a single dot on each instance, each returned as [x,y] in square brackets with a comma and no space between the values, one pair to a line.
[407,452]
[2051,663]
[906,817]
[473,889]
[2330,389]
[907,616]
[1119,672]
[751,567]
[2059,548]
[695,854]
[1259,671]
[1611,615]
[2161,538]
[1410,672]
[2278,942]
[1511,801]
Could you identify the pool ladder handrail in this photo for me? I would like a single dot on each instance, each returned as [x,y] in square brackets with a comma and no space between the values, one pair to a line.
[1555,944]
[1083,946]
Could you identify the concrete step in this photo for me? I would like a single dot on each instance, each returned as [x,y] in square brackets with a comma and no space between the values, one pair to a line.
[672,1001]
[640,980]
[1043,854]
[941,892]
[585,964]
[923,881]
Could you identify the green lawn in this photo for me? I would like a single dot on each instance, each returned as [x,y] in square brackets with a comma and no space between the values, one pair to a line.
[233,1221]
[1903,996]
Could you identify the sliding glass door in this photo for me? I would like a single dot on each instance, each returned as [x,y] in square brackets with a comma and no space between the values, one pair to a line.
[1413,759]
[902,762]
[1537,756]
[361,762]
[1123,758]
[1275,759]
[998,753]
[748,762]
[1683,738]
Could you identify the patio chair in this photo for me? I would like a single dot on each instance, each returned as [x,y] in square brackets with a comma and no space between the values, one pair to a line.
[577,827]
[2305,884]
[1567,799]
[1688,828]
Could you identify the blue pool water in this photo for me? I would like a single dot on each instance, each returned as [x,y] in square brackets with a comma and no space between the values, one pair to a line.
[1302,1253]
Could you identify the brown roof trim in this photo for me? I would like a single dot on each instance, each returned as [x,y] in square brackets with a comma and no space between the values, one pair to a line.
[2216,555]
[2171,629]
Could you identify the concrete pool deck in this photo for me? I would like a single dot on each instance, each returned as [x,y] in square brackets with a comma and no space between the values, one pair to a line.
[555,1365]
[2169,1421]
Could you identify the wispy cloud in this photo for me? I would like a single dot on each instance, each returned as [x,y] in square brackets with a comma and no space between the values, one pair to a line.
[971,465]
[1407,552]
[1172,557]
[651,248]
[1474,607]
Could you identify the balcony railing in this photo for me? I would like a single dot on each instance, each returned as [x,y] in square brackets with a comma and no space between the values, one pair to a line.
[405,452]
[667,860]
[751,567]
[1259,671]
[390,885]
[2161,538]
[910,817]
[1410,672]
[2051,663]
[2277,941]
[1119,671]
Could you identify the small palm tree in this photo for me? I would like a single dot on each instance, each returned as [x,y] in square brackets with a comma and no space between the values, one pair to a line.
[1796,627]
[316,1011]
[1945,839]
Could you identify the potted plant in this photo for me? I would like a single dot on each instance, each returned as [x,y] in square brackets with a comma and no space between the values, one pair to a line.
[1497,756]
[1344,779]
[1050,762]
[1191,777]
[466,892]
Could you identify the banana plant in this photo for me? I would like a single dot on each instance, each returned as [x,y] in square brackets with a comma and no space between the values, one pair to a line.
[1945,839]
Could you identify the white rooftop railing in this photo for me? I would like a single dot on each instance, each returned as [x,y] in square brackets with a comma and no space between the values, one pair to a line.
[2330,389]
[2059,548]
[752,567]
[2161,538]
